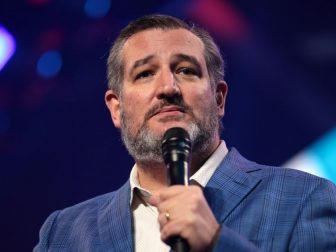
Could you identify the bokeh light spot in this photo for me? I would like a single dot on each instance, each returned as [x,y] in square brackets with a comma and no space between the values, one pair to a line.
[49,64]
[7,46]
[97,8]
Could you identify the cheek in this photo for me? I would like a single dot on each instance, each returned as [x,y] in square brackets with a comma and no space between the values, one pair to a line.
[135,95]
[201,101]
[133,107]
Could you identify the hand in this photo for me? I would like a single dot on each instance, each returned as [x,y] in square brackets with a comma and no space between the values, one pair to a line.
[189,216]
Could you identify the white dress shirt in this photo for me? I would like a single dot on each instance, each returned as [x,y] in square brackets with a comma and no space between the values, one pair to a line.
[146,226]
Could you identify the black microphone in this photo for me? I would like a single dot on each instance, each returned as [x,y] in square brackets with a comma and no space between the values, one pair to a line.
[176,149]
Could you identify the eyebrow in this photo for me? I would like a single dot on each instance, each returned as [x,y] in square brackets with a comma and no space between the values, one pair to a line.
[141,62]
[188,58]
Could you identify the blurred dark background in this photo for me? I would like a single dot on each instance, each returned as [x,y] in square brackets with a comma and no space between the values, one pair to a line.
[57,142]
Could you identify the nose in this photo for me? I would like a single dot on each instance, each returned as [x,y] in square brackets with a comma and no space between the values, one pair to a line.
[167,85]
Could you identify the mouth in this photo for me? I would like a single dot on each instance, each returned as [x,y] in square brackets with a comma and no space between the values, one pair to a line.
[169,110]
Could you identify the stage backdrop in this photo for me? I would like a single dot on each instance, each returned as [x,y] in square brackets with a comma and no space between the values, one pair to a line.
[57,142]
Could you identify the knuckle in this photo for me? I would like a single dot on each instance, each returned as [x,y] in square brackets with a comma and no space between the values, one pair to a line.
[197,200]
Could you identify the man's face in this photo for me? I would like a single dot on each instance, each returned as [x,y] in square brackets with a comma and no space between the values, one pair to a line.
[166,84]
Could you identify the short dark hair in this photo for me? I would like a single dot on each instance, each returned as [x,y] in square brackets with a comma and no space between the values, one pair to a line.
[115,69]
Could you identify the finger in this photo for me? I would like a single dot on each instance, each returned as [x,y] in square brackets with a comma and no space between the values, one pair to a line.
[164,218]
[154,200]
[189,197]
[174,204]
[171,229]
[165,194]
[171,191]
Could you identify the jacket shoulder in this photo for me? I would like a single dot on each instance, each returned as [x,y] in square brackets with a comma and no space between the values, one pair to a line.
[86,208]
[287,178]
[74,227]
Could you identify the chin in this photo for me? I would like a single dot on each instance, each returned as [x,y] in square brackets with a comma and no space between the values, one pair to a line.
[169,125]
[160,129]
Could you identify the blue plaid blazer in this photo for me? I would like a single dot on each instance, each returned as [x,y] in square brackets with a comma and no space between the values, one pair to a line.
[260,208]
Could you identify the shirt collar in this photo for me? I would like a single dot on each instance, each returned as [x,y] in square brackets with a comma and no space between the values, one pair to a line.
[135,185]
[201,177]
[203,174]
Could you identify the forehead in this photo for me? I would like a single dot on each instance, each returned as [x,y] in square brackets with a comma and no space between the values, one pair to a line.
[162,43]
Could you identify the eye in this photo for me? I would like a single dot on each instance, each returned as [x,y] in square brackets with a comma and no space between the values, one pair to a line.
[144,74]
[188,71]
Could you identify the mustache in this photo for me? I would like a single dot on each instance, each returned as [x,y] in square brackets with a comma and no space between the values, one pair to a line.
[179,102]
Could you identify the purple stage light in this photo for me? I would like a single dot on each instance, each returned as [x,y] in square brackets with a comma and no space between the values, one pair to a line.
[226,21]
[7,46]
[38,2]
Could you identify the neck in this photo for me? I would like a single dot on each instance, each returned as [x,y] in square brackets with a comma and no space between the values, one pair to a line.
[152,176]
[199,158]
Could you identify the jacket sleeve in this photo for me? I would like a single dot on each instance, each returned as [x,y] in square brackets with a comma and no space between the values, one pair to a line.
[45,233]
[316,226]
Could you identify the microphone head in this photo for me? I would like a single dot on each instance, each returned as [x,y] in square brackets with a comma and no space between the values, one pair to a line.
[176,132]
[176,144]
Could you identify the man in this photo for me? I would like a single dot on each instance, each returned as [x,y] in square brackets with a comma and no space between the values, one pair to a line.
[164,73]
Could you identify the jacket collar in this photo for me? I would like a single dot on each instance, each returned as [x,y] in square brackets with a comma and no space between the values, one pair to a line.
[233,180]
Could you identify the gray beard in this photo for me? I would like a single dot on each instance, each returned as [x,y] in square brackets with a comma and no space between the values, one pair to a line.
[145,147]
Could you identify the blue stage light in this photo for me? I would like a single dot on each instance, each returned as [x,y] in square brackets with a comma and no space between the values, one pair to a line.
[319,158]
[49,64]
[97,8]
[7,46]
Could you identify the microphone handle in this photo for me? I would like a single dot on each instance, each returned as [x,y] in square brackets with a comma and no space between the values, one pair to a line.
[178,175]
[178,244]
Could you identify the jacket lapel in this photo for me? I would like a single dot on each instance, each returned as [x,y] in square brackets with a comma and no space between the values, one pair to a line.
[115,222]
[230,184]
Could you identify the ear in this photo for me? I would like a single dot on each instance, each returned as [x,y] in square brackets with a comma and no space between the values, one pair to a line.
[221,92]
[113,104]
